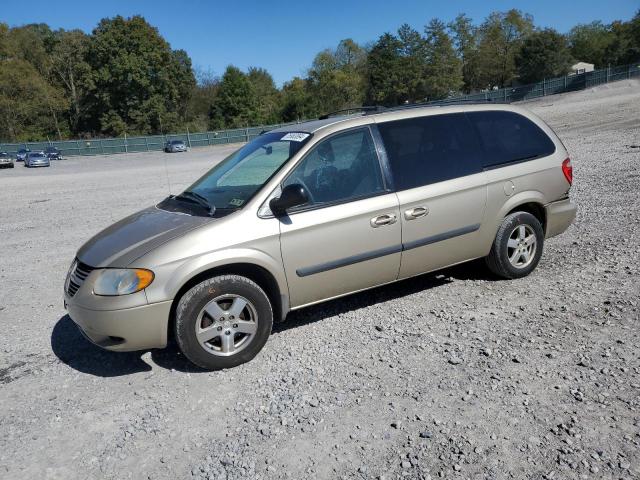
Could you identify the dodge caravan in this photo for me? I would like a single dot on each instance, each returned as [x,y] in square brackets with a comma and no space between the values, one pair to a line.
[314,211]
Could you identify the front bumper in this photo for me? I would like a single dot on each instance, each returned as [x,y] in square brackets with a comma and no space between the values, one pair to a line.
[560,215]
[136,328]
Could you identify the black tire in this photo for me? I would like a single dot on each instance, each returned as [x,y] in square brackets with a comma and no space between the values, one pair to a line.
[194,301]
[498,259]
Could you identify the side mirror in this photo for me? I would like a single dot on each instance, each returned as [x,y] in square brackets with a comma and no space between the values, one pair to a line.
[292,196]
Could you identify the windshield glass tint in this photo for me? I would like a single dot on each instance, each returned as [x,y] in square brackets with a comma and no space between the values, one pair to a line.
[232,182]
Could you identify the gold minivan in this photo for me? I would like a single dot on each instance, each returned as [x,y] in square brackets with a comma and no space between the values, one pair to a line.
[318,210]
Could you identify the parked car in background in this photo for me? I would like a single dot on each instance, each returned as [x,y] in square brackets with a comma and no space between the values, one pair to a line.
[22,154]
[5,160]
[37,159]
[314,211]
[53,153]
[174,146]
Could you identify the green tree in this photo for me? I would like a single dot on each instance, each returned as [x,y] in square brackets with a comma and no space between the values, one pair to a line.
[201,100]
[384,83]
[349,54]
[139,85]
[28,104]
[414,56]
[500,38]
[336,77]
[590,43]
[235,105]
[71,72]
[4,41]
[624,46]
[267,95]
[465,39]
[296,101]
[32,43]
[544,54]
[633,53]
[443,73]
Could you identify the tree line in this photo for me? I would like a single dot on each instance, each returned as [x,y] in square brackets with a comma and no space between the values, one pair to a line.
[124,78]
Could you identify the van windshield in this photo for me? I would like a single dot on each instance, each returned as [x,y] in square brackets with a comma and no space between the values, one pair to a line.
[231,183]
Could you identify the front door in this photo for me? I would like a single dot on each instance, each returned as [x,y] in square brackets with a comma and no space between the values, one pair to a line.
[348,237]
[436,162]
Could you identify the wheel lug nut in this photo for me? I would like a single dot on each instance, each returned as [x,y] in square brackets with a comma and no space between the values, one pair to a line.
[228,332]
[231,317]
[235,325]
[219,328]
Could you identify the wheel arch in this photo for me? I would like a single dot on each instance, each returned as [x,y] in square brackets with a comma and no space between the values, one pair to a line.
[256,273]
[531,202]
[534,208]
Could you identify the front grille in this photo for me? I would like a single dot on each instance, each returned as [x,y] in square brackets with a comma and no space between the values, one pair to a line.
[77,275]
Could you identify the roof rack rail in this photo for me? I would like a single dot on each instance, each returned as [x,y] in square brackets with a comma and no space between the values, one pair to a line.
[453,101]
[364,109]
[445,102]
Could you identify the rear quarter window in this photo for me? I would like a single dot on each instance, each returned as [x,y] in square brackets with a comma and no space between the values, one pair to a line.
[509,137]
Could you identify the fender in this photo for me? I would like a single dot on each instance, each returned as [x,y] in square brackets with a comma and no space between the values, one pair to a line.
[492,222]
[191,267]
[520,198]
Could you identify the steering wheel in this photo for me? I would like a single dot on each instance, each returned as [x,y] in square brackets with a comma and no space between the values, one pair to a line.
[299,181]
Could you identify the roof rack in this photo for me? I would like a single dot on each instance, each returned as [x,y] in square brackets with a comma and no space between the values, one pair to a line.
[454,101]
[445,102]
[373,109]
[364,109]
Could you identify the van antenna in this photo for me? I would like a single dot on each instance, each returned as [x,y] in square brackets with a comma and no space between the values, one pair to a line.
[166,167]
[166,171]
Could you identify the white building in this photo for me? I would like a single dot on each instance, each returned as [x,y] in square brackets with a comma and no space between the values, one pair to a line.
[581,67]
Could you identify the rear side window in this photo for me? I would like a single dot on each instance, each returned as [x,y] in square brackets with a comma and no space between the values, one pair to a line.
[430,149]
[509,137]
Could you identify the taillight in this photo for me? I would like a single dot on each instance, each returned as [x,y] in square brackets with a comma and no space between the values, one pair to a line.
[567,169]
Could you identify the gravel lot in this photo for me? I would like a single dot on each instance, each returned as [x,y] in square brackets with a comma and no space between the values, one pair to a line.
[451,375]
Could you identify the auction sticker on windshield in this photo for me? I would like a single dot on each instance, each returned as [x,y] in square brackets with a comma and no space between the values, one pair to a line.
[294,136]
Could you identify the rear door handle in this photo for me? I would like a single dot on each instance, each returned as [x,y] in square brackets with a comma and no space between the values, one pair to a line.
[386,219]
[416,212]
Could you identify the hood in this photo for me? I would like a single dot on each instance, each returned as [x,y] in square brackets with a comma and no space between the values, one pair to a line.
[133,236]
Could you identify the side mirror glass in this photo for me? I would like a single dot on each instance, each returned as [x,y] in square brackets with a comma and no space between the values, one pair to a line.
[292,195]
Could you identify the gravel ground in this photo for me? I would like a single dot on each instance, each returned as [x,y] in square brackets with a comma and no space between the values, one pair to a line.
[451,374]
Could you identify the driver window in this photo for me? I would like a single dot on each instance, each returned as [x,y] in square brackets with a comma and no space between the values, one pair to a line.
[343,167]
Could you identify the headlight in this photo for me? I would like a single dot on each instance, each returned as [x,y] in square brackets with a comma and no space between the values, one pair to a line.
[121,281]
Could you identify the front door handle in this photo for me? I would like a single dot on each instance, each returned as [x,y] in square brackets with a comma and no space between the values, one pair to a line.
[386,219]
[416,212]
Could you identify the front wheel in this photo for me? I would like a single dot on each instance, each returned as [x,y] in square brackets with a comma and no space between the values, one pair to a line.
[517,248]
[223,322]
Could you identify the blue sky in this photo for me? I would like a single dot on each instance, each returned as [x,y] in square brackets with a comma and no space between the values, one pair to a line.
[284,36]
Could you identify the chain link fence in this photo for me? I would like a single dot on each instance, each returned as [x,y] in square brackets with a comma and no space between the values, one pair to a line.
[550,86]
[108,146]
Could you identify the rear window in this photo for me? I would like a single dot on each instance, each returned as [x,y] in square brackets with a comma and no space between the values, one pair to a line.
[509,137]
[430,149]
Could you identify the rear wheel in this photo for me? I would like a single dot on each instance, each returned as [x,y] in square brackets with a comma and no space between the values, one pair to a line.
[223,322]
[517,248]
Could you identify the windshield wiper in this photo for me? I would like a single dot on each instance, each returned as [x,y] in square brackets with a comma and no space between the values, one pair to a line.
[199,199]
